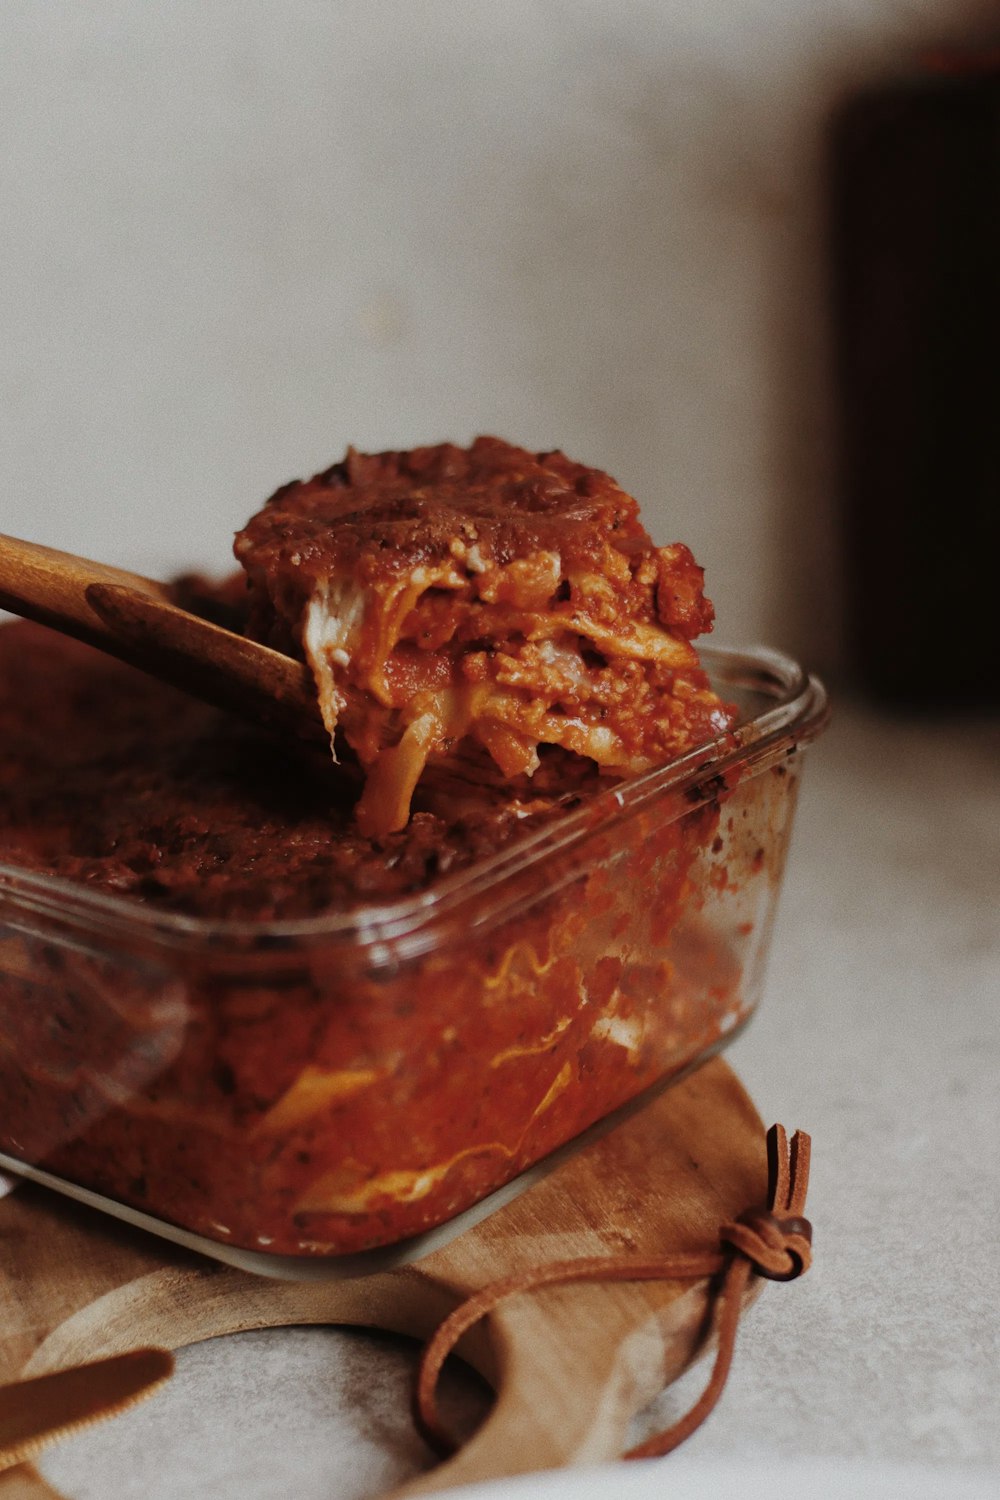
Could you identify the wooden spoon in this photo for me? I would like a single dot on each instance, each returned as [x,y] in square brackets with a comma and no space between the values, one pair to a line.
[136,620]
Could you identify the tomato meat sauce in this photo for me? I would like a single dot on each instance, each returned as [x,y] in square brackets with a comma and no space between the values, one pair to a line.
[311,1008]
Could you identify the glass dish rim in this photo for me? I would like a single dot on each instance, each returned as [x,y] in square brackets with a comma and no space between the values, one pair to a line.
[799,706]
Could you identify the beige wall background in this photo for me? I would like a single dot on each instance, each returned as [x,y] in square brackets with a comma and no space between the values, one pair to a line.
[238,236]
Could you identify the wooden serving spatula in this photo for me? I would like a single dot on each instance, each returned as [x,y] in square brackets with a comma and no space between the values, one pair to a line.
[137,620]
[570,1365]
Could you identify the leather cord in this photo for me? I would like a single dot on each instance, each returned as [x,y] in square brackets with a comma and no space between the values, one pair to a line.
[774,1241]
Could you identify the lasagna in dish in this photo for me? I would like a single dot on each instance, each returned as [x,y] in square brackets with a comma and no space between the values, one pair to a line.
[232,1001]
[481,611]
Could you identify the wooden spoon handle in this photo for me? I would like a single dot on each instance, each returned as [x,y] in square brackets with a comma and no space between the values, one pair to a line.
[51,587]
[204,659]
[134,619]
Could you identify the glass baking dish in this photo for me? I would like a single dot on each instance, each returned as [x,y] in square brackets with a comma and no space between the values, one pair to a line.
[315,1089]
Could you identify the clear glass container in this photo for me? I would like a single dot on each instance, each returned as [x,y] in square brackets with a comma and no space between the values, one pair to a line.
[316,1088]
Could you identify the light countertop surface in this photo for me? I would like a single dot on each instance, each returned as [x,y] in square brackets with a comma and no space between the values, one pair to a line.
[880,1035]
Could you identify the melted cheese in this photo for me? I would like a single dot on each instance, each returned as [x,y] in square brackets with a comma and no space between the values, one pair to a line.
[332,623]
[530,683]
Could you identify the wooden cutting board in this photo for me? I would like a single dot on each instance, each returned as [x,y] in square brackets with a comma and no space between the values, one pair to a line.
[571,1365]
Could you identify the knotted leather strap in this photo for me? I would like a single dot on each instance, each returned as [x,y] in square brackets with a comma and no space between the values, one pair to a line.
[772,1241]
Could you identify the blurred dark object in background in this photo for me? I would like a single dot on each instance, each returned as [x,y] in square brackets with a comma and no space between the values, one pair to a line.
[916,260]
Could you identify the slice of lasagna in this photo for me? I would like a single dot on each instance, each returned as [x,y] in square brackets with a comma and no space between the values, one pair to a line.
[477,607]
